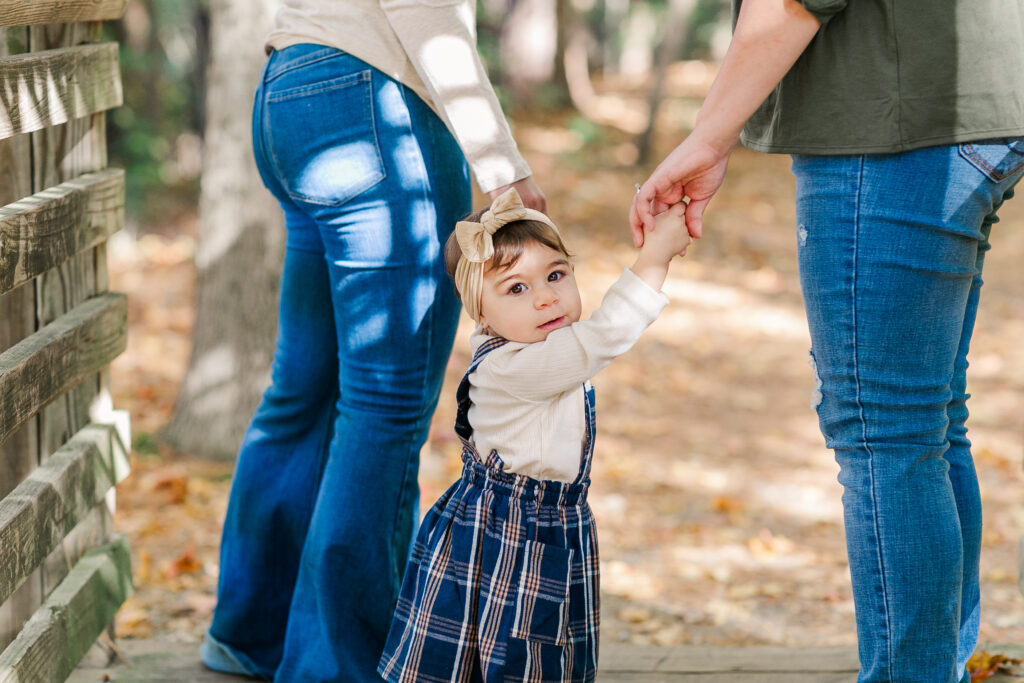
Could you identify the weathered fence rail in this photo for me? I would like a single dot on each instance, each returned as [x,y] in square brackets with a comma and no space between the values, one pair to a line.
[63,570]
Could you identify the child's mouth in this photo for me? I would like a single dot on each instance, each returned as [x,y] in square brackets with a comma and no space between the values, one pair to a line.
[552,324]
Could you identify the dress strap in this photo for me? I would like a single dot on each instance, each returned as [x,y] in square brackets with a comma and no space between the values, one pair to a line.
[462,426]
[465,431]
[588,450]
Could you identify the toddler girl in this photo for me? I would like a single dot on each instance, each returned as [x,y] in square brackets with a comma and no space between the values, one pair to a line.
[502,583]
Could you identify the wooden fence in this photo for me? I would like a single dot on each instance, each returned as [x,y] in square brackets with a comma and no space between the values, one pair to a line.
[63,570]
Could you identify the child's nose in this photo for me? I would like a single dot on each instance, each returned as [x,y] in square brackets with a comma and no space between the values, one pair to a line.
[546,296]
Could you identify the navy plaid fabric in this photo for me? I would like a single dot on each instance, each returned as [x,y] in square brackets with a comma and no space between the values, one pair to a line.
[502,584]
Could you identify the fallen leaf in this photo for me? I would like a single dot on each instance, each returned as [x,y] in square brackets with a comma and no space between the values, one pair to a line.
[186,563]
[982,665]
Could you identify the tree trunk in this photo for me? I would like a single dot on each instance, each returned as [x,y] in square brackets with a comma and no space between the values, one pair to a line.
[240,250]
[676,28]
[532,39]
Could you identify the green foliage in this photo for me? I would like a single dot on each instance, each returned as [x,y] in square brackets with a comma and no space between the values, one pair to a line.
[162,57]
[587,131]
[164,47]
[145,444]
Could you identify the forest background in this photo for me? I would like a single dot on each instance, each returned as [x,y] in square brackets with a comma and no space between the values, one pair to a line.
[717,502]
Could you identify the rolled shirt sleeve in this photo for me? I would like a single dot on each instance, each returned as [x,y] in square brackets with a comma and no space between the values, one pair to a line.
[823,10]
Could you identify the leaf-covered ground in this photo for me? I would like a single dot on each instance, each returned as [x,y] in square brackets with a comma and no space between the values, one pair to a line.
[717,503]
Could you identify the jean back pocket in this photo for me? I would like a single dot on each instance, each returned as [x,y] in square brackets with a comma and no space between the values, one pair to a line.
[323,138]
[997,159]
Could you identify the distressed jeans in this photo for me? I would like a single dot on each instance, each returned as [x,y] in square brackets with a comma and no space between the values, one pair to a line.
[891,248]
[324,498]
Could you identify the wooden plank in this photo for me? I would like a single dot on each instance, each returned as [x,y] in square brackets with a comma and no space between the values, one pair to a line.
[95,529]
[19,454]
[59,154]
[720,677]
[695,658]
[51,87]
[44,366]
[45,229]
[67,624]
[164,659]
[29,12]
[43,509]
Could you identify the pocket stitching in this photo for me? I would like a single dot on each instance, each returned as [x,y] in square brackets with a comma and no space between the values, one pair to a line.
[356,190]
[306,60]
[969,152]
[522,628]
[320,86]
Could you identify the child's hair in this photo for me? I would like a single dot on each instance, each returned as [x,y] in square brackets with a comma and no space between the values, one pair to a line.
[509,242]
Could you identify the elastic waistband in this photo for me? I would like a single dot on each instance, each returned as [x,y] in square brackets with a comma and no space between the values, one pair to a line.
[520,486]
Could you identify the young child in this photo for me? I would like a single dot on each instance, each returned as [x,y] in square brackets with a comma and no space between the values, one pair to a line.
[502,583]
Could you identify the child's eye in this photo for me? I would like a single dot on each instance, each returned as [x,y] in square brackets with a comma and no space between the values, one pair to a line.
[556,275]
[517,288]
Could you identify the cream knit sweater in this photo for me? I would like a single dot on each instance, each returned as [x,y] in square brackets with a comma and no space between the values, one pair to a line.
[430,46]
[528,398]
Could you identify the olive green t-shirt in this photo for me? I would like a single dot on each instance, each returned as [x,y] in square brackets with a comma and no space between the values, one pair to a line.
[894,75]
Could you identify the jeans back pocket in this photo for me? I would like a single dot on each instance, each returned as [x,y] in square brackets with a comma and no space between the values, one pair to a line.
[542,599]
[997,159]
[323,138]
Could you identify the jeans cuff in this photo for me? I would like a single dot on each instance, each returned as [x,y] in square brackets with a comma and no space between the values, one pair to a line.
[219,657]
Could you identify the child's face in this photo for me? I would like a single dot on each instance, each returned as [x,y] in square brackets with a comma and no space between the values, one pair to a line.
[537,295]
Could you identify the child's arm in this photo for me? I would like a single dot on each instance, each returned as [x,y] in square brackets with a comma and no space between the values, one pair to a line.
[669,237]
[570,356]
[535,372]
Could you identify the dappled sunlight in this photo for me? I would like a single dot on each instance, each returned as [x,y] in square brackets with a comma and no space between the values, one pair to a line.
[717,503]
[43,89]
[368,332]
[323,175]
[455,57]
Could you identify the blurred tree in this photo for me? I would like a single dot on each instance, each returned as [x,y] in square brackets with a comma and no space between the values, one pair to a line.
[532,48]
[676,28]
[155,135]
[240,249]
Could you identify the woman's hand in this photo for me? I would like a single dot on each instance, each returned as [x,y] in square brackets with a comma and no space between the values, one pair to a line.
[694,170]
[769,37]
[528,191]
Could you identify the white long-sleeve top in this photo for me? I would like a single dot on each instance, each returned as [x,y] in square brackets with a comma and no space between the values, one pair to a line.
[430,46]
[527,399]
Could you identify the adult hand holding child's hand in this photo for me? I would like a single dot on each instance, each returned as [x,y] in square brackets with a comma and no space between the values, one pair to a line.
[668,238]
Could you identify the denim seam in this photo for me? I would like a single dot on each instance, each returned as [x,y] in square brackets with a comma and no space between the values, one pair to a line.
[321,86]
[305,61]
[429,328]
[864,423]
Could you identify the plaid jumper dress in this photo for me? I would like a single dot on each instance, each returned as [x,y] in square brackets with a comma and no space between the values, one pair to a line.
[502,583]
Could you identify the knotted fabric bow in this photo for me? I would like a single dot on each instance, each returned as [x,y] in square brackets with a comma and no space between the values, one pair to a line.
[477,244]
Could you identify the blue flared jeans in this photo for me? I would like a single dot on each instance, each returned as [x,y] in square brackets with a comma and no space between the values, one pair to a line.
[891,249]
[324,498]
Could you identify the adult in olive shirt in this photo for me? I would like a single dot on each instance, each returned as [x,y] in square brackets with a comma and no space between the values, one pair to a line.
[905,122]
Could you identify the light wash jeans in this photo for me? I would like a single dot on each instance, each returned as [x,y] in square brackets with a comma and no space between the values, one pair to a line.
[891,249]
[324,498]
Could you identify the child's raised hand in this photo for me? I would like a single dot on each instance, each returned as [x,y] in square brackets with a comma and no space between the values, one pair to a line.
[670,235]
[668,238]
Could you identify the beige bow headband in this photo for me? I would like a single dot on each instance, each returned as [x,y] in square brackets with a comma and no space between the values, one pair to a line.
[477,245]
